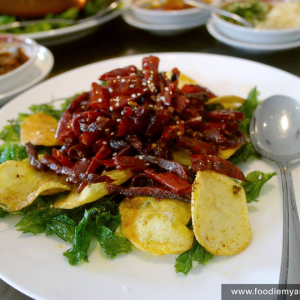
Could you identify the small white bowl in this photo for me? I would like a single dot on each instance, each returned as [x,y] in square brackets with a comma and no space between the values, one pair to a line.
[8,43]
[166,17]
[254,35]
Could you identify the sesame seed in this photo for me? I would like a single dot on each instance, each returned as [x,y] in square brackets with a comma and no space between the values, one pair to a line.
[131,86]
[139,94]
[98,119]
[111,108]
[100,100]
[107,130]
[115,154]
[145,89]
[133,95]
[166,88]
[117,104]
[110,90]
[37,132]
[144,83]
[140,157]
[118,120]
[104,143]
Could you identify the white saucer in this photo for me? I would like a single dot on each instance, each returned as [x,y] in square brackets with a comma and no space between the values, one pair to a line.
[40,69]
[249,47]
[161,29]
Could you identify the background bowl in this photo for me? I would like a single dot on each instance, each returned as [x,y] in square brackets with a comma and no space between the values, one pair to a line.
[170,17]
[7,44]
[254,35]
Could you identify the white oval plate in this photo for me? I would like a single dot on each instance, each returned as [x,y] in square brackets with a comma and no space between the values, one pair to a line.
[35,264]
[40,69]
[249,47]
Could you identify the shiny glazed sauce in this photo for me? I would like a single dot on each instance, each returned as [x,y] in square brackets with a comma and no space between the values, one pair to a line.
[170,5]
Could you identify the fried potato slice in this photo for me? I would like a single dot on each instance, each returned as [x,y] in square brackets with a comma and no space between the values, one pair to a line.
[220,214]
[229,102]
[183,80]
[21,184]
[92,192]
[226,153]
[182,156]
[156,226]
[39,129]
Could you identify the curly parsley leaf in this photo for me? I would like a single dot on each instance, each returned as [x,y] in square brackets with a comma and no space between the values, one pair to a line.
[248,108]
[62,226]
[12,152]
[47,109]
[108,220]
[245,152]
[254,184]
[111,244]
[82,238]
[11,132]
[184,262]
[3,213]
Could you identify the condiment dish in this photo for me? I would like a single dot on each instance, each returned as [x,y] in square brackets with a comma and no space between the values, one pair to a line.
[254,35]
[143,12]
[11,44]
[272,24]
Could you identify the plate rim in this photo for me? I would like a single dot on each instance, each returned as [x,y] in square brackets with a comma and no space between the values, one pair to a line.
[138,56]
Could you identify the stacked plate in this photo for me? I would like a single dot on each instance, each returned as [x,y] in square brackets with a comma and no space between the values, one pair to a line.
[163,22]
[253,39]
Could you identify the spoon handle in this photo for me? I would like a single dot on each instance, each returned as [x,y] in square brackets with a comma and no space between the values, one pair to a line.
[287,186]
[293,205]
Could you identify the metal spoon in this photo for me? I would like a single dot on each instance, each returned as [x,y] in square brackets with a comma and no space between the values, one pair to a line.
[219,11]
[99,14]
[275,133]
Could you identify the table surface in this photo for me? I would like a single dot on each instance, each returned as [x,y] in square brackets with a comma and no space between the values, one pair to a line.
[117,39]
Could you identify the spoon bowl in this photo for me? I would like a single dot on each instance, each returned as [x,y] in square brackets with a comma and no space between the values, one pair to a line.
[275,133]
[277,137]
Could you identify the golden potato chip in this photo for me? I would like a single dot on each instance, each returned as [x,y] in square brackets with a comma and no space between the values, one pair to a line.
[21,184]
[39,129]
[229,102]
[220,214]
[226,153]
[182,156]
[157,226]
[183,80]
[92,192]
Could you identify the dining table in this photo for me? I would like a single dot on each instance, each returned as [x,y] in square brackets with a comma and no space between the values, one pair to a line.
[118,39]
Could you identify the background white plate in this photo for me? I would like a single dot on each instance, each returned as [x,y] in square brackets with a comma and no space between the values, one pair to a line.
[70,33]
[35,265]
